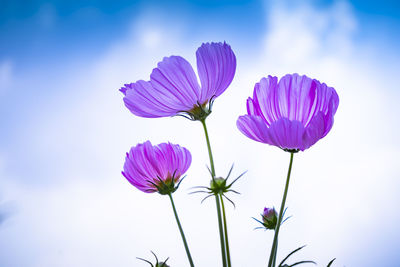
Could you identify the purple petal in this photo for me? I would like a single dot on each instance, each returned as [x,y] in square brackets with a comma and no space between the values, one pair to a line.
[321,124]
[327,99]
[180,159]
[144,101]
[283,133]
[216,66]
[314,131]
[175,83]
[123,90]
[301,98]
[265,100]
[287,134]
[134,173]
[253,127]
[141,167]
[328,117]
[253,107]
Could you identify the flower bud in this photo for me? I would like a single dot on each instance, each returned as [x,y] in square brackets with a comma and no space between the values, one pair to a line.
[269,218]
[218,183]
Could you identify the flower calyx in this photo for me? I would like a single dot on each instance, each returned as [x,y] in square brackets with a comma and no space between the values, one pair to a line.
[291,150]
[219,186]
[199,112]
[157,264]
[167,186]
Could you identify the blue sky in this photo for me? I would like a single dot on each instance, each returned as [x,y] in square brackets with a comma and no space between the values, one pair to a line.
[57,28]
[39,34]
[65,130]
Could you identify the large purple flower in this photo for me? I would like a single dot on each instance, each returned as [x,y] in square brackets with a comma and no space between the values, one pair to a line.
[292,114]
[173,87]
[156,168]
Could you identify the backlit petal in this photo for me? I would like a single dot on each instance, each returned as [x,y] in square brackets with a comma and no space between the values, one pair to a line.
[216,66]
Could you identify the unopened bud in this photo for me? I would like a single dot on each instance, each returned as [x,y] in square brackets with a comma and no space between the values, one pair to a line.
[218,185]
[270,218]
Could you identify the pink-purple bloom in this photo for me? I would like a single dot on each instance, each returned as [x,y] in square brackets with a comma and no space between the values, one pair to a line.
[174,89]
[292,114]
[156,168]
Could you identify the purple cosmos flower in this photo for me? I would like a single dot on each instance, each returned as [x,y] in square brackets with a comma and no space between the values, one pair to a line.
[292,114]
[156,168]
[173,88]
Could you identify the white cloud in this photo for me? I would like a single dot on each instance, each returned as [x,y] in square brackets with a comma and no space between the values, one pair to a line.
[304,35]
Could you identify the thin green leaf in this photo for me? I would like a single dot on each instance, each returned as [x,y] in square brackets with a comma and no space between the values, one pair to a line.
[230,171]
[206,198]
[165,262]
[234,206]
[330,263]
[240,176]
[155,256]
[301,262]
[145,261]
[290,254]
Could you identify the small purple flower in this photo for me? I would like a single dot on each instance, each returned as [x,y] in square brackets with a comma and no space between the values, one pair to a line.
[269,218]
[156,168]
[173,88]
[292,114]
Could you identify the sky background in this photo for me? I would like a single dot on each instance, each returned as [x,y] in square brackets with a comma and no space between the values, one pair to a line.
[65,131]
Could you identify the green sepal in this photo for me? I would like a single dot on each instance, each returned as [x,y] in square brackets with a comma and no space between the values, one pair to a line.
[157,264]
[330,263]
[199,112]
[219,186]
[168,186]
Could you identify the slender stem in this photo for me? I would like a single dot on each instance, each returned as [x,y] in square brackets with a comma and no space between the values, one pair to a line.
[181,231]
[228,255]
[221,231]
[217,201]
[209,148]
[274,249]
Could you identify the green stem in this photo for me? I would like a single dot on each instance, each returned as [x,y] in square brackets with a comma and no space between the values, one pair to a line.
[181,231]
[221,231]
[228,255]
[274,249]
[209,148]
[274,246]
